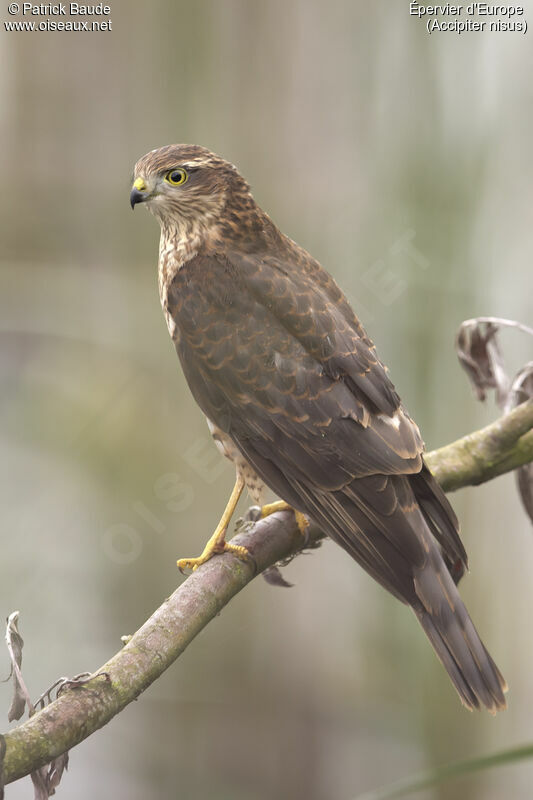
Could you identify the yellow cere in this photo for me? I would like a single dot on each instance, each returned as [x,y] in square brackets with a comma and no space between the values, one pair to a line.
[139,184]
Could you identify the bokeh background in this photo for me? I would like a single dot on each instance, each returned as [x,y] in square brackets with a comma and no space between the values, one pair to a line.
[401,161]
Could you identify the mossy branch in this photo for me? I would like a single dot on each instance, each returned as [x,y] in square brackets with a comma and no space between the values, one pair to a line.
[501,447]
[78,712]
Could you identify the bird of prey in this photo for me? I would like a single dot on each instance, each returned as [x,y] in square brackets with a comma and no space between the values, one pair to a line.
[296,396]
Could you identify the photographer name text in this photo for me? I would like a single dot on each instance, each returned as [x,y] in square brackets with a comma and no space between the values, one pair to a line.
[60,9]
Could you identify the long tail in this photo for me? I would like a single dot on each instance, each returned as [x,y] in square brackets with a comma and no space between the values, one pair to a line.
[450,630]
[397,536]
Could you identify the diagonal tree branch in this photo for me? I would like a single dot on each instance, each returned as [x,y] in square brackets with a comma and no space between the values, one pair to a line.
[152,649]
[501,447]
[78,712]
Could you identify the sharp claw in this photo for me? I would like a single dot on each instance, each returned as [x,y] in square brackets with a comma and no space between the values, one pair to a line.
[186,563]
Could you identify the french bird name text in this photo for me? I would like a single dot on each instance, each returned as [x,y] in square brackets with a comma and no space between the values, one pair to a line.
[448,10]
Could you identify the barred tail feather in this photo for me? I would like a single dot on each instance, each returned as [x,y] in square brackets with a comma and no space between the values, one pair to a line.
[450,630]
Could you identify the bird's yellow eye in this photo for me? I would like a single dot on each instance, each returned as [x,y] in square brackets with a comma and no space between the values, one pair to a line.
[176,177]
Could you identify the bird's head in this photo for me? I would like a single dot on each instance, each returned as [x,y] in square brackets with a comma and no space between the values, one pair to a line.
[183,184]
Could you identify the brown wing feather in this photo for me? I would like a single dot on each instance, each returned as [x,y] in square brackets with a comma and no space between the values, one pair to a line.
[276,358]
[297,380]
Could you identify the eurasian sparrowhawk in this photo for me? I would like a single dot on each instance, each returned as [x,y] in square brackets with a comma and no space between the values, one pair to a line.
[297,397]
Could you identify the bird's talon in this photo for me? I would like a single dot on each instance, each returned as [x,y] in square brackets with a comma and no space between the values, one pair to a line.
[225,547]
[238,550]
[302,522]
[187,563]
[280,505]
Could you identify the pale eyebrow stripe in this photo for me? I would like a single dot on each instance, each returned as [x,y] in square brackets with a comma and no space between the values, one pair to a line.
[187,165]
[204,162]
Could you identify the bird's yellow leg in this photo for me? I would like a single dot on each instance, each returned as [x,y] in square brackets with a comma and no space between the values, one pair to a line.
[281,505]
[217,543]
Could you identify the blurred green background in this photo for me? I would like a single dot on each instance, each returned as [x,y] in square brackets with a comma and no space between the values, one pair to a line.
[401,161]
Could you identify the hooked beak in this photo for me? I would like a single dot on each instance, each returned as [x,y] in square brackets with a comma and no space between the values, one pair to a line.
[139,192]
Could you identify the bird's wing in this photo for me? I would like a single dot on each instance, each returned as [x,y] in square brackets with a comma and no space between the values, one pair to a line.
[276,358]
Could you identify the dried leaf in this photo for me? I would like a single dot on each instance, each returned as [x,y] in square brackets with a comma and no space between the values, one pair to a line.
[55,772]
[40,792]
[480,356]
[15,643]
[47,779]
[273,576]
